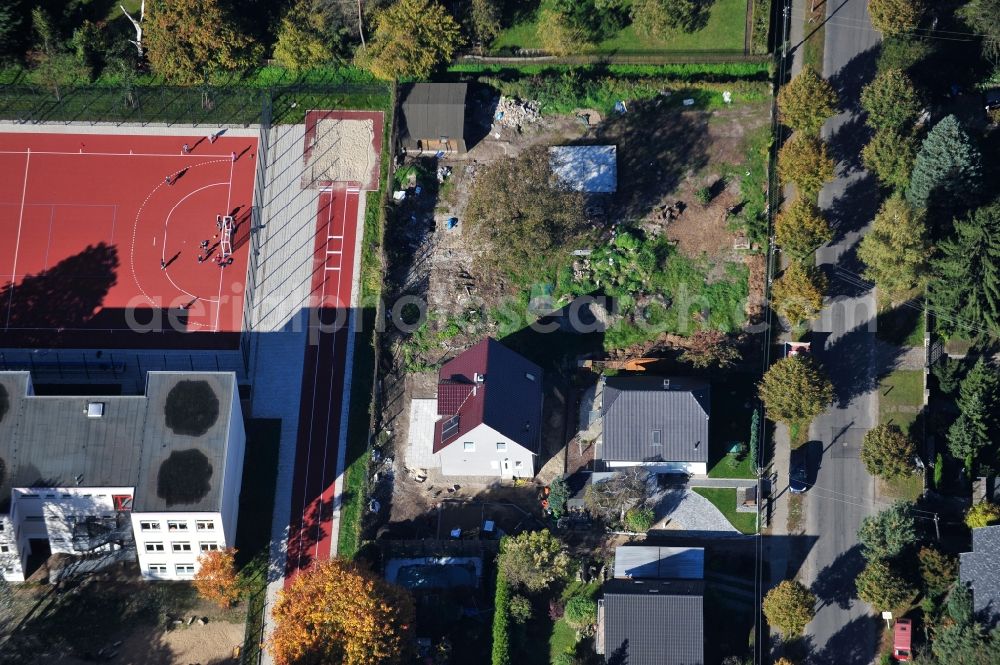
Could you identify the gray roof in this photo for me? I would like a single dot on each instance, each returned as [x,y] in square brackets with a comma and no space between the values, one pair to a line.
[980,568]
[48,441]
[586,168]
[635,407]
[648,562]
[654,623]
[432,111]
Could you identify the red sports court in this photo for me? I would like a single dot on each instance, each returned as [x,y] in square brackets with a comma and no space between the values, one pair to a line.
[125,241]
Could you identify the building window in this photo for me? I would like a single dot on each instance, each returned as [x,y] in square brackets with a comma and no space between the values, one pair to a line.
[501,447]
[205,525]
[209,547]
[469,446]
[176,525]
[180,547]
[656,438]
[149,525]
[184,569]
[154,547]
[34,518]
[518,464]
[157,569]
[4,548]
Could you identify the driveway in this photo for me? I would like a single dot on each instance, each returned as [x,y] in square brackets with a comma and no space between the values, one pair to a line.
[682,509]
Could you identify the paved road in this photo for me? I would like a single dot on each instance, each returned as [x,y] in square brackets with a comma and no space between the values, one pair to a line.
[844,631]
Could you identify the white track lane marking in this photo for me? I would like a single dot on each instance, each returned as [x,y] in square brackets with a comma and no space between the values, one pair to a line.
[312,403]
[333,374]
[17,243]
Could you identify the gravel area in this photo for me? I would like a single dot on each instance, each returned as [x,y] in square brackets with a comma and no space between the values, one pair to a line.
[683,509]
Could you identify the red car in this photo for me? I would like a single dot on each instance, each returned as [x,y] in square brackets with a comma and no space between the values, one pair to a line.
[901,641]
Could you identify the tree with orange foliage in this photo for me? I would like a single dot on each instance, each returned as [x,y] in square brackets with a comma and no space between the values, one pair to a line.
[338,612]
[216,579]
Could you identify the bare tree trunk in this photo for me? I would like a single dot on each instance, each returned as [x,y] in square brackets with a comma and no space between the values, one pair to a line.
[361,29]
[138,25]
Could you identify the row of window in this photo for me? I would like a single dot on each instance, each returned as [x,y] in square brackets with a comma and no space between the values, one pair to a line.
[180,569]
[177,525]
[64,496]
[181,547]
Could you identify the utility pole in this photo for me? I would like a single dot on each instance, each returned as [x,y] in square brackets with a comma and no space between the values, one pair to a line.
[937,527]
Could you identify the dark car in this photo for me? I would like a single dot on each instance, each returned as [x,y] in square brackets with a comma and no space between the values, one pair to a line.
[798,477]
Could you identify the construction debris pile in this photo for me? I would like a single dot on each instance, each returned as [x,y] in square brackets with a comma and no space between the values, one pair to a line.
[513,113]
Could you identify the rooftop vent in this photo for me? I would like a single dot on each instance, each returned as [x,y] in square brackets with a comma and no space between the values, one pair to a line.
[479,378]
[666,384]
[529,376]
[95,409]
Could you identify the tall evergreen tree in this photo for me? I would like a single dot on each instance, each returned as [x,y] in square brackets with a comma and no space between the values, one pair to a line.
[896,251]
[948,165]
[978,399]
[965,293]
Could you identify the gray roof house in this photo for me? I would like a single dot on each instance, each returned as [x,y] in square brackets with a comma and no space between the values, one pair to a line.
[433,117]
[657,622]
[661,423]
[980,569]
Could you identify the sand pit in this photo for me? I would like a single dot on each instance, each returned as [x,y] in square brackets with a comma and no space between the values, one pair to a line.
[342,151]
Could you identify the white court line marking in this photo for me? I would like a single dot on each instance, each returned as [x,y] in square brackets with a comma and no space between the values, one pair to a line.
[166,227]
[17,243]
[113,154]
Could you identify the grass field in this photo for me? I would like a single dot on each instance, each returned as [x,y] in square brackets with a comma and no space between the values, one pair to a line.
[901,397]
[724,498]
[724,32]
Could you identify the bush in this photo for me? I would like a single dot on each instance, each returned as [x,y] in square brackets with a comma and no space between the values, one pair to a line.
[938,471]
[501,622]
[520,608]
[982,514]
[581,612]
[640,520]
[704,196]
[556,609]
[558,494]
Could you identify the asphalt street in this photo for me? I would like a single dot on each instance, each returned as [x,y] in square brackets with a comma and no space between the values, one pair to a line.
[844,630]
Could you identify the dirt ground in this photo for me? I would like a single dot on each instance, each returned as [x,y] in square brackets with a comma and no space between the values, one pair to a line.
[113,612]
[664,156]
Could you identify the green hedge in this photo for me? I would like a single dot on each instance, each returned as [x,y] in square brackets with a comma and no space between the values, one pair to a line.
[501,622]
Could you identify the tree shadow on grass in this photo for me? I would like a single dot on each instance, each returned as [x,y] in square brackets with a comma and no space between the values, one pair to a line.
[858,368]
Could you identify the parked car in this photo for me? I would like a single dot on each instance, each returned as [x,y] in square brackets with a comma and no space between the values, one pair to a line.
[798,472]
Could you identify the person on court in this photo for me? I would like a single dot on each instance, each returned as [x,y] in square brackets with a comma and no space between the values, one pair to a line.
[185,149]
[168,180]
[234,156]
[163,264]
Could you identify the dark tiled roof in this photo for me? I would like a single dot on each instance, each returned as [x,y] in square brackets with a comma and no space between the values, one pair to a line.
[980,568]
[636,407]
[504,398]
[49,441]
[654,623]
[433,110]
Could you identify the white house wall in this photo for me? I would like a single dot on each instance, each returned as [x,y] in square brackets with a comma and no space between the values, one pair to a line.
[693,468]
[485,460]
[233,472]
[181,545]
[12,561]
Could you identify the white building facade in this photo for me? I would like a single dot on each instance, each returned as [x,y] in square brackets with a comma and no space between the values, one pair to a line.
[91,475]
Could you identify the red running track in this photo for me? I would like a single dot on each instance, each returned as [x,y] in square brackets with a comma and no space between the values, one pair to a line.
[85,221]
[310,528]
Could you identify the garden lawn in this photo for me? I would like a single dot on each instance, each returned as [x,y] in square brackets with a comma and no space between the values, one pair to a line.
[901,398]
[902,326]
[908,488]
[724,498]
[725,31]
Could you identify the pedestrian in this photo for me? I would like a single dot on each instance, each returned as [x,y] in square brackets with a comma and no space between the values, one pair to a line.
[212,137]
[169,180]
[185,149]
[82,146]
[234,156]
[218,222]
[163,264]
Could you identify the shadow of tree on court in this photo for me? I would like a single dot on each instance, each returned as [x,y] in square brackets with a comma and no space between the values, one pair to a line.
[67,295]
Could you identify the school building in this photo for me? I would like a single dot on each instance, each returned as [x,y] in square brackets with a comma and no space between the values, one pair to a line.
[155,476]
